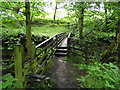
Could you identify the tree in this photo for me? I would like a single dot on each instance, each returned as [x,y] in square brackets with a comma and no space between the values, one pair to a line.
[55,14]
[28,28]
[115,45]
[118,32]
[81,15]
[56,7]
[105,8]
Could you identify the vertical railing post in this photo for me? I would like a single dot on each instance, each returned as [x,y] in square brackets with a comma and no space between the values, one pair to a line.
[33,50]
[56,37]
[18,59]
[34,62]
[68,47]
[86,54]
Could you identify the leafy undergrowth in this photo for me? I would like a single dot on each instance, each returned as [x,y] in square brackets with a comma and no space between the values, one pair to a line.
[9,82]
[99,75]
[8,41]
[40,84]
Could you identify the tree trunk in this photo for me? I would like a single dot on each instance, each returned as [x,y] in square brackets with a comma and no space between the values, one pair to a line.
[118,35]
[55,14]
[81,22]
[28,28]
[115,45]
[106,28]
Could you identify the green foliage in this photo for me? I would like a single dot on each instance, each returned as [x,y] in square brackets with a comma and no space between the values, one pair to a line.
[10,40]
[99,76]
[9,82]
[15,11]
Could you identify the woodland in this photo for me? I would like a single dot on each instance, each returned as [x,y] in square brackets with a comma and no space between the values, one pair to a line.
[30,37]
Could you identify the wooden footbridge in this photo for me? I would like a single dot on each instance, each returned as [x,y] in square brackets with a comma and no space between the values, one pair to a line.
[42,54]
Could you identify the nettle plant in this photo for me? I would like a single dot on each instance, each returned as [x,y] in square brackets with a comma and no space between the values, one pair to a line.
[100,76]
[8,81]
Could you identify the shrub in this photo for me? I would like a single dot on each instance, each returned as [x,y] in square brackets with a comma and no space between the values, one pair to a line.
[100,76]
[9,82]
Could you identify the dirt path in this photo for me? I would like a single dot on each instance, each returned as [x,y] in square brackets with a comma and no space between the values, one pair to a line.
[64,74]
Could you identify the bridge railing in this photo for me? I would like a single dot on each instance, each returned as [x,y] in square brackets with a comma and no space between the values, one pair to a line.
[79,47]
[41,56]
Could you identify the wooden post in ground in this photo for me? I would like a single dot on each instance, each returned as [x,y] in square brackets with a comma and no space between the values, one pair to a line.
[33,50]
[34,62]
[18,59]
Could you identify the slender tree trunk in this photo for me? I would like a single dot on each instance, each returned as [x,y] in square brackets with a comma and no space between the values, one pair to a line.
[55,14]
[81,22]
[106,28]
[28,28]
[118,35]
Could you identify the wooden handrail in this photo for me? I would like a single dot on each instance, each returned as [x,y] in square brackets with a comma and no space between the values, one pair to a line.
[48,40]
[80,40]
[43,48]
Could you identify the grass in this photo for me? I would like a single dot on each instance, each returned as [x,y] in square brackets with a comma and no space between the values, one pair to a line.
[48,30]
[45,30]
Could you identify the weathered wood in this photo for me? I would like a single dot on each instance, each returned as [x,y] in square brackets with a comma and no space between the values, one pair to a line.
[78,49]
[18,58]
[33,50]
[7,52]
[36,76]
[76,39]
[40,59]
[49,39]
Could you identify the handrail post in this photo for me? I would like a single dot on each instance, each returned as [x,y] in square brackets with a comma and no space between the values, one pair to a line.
[33,68]
[86,54]
[33,50]
[56,37]
[18,58]
[68,47]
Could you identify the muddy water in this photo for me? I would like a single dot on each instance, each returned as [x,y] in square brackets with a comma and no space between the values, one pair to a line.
[64,74]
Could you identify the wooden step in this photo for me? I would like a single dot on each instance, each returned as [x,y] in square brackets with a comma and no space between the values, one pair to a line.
[60,54]
[61,50]
[61,47]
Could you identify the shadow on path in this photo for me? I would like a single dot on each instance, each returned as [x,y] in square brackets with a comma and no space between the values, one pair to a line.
[64,74]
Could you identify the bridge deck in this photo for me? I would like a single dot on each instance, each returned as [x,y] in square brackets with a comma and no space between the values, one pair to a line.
[63,43]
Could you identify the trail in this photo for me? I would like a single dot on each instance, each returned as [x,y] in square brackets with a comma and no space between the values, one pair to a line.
[64,74]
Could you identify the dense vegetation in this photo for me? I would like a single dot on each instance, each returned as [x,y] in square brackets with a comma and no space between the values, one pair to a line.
[95,22]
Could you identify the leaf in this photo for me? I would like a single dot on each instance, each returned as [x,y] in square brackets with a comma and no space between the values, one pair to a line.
[17,85]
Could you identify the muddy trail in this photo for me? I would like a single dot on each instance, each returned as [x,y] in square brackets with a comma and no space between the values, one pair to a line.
[64,74]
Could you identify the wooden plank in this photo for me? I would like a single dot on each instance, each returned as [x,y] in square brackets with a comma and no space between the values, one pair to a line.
[7,60]
[7,52]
